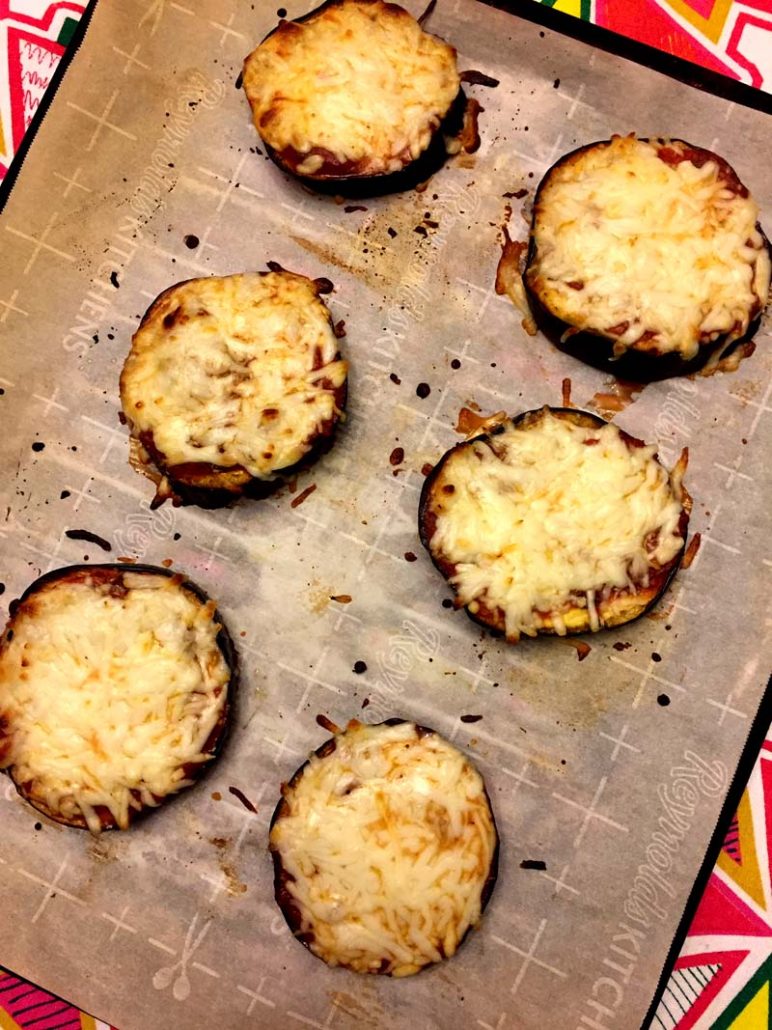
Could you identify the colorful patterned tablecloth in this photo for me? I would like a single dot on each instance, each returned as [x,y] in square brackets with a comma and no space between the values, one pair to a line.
[723,976]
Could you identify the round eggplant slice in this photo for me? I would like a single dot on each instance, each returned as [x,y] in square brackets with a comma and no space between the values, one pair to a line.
[114,692]
[355,96]
[385,849]
[232,384]
[646,257]
[554,522]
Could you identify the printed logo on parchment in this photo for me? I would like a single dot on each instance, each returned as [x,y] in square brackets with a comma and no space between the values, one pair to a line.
[675,421]
[648,896]
[395,664]
[140,528]
[154,183]
[176,975]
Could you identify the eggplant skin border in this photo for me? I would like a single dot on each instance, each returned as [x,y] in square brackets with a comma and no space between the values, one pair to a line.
[592,347]
[581,417]
[183,493]
[281,877]
[223,640]
[361,187]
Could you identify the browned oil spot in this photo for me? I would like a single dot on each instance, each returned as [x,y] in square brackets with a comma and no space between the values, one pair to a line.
[364,1007]
[747,391]
[319,596]
[397,456]
[101,849]
[566,389]
[331,257]
[233,884]
[341,598]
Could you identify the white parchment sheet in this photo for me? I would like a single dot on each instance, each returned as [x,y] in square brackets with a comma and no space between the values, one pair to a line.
[173,924]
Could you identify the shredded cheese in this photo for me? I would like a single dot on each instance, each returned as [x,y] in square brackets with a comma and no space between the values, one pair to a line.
[108,699]
[234,371]
[357,83]
[551,516]
[653,253]
[388,843]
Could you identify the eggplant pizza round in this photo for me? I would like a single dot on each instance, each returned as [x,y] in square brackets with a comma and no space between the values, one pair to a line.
[354,92]
[232,383]
[385,849]
[646,253]
[114,692]
[555,522]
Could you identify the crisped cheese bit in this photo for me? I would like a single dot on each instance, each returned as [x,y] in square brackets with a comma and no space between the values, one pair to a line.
[652,244]
[109,695]
[548,516]
[238,371]
[359,88]
[387,846]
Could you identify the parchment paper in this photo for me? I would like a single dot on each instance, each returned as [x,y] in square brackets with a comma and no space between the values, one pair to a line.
[174,923]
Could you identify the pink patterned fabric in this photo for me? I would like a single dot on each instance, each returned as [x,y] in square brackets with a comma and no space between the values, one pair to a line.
[34,34]
[29,1006]
[723,977]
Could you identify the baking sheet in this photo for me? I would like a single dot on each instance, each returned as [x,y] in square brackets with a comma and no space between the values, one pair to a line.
[174,924]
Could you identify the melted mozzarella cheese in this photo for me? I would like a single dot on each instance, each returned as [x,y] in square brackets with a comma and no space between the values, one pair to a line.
[541,519]
[389,842]
[359,80]
[668,256]
[234,371]
[106,695]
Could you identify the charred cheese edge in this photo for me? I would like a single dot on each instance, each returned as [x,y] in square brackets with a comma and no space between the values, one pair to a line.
[387,845]
[109,697]
[652,244]
[238,372]
[557,526]
[358,86]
